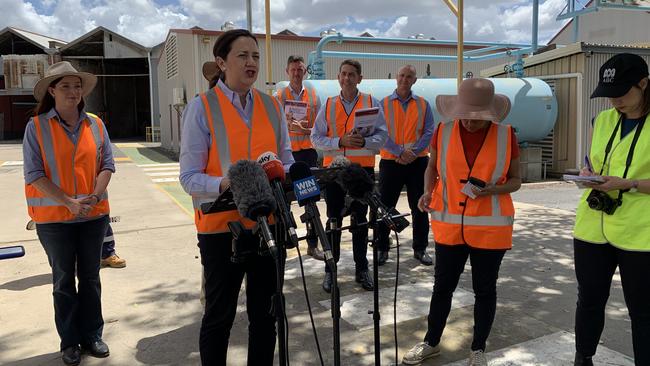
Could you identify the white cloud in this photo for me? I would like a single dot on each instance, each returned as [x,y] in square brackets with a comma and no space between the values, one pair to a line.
[147,23]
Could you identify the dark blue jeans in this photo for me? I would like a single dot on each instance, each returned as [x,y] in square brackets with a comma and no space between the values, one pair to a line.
[70,247]
[108,247]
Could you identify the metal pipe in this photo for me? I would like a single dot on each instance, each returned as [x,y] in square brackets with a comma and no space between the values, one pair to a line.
[459,52]
[270,85]
[579,123]
[576,28]
[151,93]
[482,50]
[452,7]
[412,57]
[535,24]
[249,16]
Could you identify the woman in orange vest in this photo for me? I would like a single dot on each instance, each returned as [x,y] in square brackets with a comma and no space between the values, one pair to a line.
[68,163]
[230,122]
[474,167]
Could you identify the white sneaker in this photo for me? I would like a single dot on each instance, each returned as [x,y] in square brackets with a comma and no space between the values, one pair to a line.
[419,353]
[477,358]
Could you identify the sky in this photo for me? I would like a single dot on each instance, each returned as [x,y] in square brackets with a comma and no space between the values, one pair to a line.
[148,21]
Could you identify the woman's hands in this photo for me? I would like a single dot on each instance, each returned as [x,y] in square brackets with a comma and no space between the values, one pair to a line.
[424,201]
[80,207]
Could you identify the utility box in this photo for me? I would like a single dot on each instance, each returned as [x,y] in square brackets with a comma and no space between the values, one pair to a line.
[531,164]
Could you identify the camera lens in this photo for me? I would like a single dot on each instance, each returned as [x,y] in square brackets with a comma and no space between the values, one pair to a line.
[595,203]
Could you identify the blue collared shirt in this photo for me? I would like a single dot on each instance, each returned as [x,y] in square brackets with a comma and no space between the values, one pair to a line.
[195,145]
[429,128]
[33,167]
[321,141]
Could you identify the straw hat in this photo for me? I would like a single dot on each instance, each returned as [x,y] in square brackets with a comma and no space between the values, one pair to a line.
[209,69]
[60,70]
[475,100]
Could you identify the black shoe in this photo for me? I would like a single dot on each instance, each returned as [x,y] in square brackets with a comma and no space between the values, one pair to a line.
[364,279]
[71,355]
[96,348]
[327,282]
[423,257]
[582,360]
[382,257]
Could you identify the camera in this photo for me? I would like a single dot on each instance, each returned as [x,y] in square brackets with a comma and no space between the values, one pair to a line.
[245,244]
[601,201]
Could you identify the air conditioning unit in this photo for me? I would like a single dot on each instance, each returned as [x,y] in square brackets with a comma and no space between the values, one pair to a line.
[178,97]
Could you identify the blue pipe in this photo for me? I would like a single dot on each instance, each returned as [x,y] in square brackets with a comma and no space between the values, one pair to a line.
[535,24]
[317,64]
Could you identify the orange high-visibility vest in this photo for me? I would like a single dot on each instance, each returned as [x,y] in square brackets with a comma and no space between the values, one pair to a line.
[484,222]
[71,167]
[232,140]
[404,127]
[339,123]
[298,140]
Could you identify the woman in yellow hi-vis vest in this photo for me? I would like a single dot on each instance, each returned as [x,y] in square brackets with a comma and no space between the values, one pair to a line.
[68,163]
[612,222]
[474,167]
[230,122]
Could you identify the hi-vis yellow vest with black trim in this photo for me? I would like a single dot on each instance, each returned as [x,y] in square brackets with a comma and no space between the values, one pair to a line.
[232,140]
[339,122]
[629,227]
[404,127]
[484,222]
[72,167]
[300,141]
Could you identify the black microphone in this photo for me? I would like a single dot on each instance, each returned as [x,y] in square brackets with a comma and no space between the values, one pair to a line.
[307,194]
[358,184]
[253,197]
[274,170]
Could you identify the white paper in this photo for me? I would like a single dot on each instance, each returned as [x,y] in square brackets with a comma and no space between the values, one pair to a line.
[467,190]
[583,178]
[365,120]
[297,109]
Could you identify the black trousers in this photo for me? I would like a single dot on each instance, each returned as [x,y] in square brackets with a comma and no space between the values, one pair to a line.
[309,157]
[450,263]
[70,248]
[394,176]
[595,265]
[336,205]
[223,280]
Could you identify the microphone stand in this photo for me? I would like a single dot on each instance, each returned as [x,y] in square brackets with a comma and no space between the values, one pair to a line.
[311,215]
[278,303]
[376,316]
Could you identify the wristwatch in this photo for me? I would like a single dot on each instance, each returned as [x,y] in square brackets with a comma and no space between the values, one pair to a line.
[635,186]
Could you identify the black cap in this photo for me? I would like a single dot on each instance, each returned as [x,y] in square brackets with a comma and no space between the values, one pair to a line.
[619,74]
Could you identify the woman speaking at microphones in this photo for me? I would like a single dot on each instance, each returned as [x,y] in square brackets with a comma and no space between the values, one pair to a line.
[232,121]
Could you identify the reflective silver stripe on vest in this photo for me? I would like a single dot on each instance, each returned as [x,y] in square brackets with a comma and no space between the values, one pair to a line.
[447,129]
[274,117]
[49,202]
[332,116]
[359,152]
[94,128]
[421,111]
[471,220]
[502,147]
[390,119]
[48,149]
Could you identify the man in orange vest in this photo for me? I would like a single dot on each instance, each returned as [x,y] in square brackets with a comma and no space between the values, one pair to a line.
[404,159]
[334,132]
[300,127]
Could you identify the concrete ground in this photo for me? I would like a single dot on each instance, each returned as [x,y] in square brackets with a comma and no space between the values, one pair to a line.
[152,310]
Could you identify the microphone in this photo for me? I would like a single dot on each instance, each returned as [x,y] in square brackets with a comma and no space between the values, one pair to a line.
[307,194]
[356,181]
[274,170]
[253,197]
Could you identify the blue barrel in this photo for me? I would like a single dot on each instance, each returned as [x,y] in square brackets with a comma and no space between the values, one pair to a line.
[534,106]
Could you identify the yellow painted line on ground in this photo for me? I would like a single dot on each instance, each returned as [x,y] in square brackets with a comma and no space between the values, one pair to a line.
[190,214]
[129,144]
[123,158]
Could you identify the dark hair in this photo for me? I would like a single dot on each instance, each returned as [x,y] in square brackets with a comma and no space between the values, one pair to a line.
[646,98]
[294,58]
[222,48]
[47,102]
[353,63]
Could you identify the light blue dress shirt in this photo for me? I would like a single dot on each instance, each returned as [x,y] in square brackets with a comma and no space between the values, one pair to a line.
[33,167]
[429,128]
[195,145]
[321,141]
